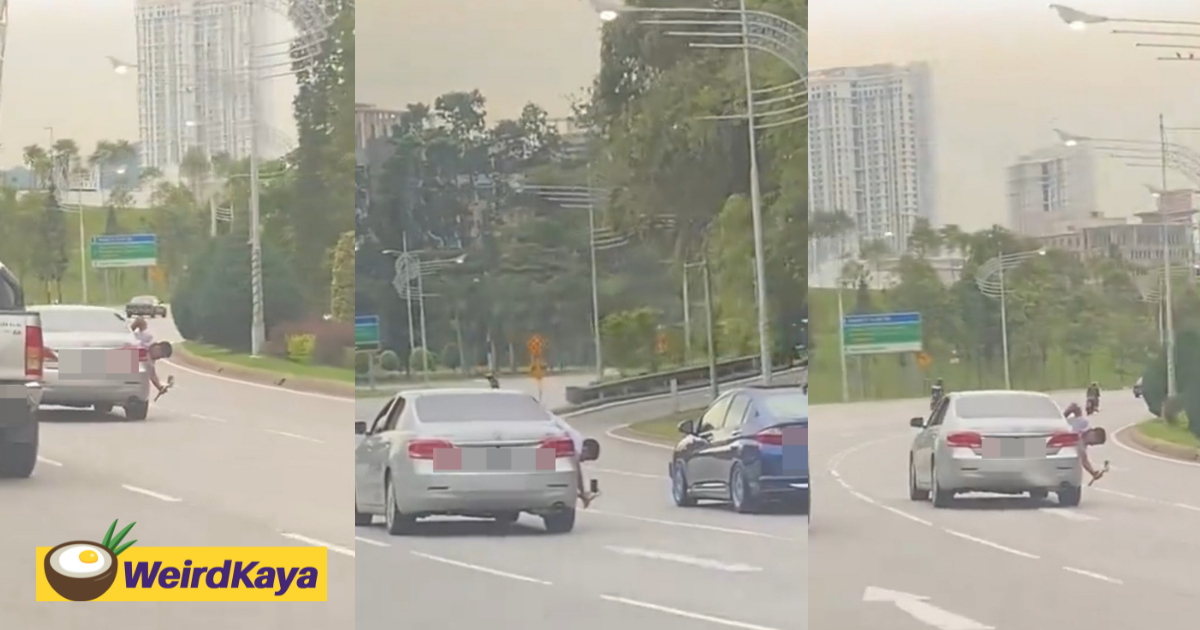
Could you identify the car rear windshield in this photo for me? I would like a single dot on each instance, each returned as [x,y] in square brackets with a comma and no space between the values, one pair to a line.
[786,406]
[142,299]
[479,407]
[82,320]
[1024,406]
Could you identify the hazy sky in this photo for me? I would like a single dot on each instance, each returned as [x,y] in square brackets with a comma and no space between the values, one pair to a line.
[514,51]
[1007,72]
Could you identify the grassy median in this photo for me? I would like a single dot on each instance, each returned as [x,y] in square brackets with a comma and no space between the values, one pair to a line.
[665,429]
[1175,433]
[271,365]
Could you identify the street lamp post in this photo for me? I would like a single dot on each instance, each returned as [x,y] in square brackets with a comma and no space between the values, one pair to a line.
[983,279]
[409,269]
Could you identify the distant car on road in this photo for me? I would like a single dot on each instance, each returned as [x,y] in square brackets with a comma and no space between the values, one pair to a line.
[480,453]
[1002,442]
[749,448]
[145,306]
[1138,388]
[93,360]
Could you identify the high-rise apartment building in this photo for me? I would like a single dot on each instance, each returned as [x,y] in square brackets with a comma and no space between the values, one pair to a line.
[871,148]
[193,65]
[1051,189]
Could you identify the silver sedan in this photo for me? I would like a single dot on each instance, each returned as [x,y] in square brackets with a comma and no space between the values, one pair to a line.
[93,360]
[464,452]
[1002,442]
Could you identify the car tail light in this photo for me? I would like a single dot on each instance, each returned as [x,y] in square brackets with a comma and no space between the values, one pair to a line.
[1059,440]
[562,446]
[34,352]
[143,355]
[965,439]
[769,437]
[423,449]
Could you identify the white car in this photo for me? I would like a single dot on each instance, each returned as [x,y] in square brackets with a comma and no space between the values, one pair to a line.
[92,359]
[480,453]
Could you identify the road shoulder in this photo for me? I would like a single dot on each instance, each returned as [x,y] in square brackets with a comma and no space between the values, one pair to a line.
[186,358]
[1138,436]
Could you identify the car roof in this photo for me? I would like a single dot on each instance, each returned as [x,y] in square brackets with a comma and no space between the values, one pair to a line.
[466,391]
[74,307]
[998,392]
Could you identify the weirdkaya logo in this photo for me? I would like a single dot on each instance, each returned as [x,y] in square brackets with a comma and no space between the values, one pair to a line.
[84,571]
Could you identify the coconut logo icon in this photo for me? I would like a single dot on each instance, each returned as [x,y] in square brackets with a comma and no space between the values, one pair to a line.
[81,570]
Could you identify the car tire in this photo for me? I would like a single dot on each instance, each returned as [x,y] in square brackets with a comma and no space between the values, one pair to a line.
[1070,497]
[740,494]
[18,459]
[102,408]
[138,410]
[361,519]
[679,486]
[941,498]
[561,522]
[1038,495]
[915,493]
[397,524]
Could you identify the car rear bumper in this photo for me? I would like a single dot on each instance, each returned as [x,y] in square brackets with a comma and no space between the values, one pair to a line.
[116,390]
[478,494]
[1010,475]
[781,486]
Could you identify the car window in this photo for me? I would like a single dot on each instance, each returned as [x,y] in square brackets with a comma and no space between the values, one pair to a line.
[737,411]
[378,423]
[715,416]
[479,406]
[1006,406]
[82,320]
[785,405]
[394,414]
[939,414]
[142,299]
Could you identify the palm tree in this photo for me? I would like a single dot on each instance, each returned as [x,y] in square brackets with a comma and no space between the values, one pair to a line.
[38,161]
[823,224]
[924,240]
[875,252]
[195,167]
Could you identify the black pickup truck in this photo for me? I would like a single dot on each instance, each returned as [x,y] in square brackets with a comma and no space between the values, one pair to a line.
[21,359]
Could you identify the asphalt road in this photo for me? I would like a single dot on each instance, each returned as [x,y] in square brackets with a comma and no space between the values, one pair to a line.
[218,463]
[633,561]
[1128,557]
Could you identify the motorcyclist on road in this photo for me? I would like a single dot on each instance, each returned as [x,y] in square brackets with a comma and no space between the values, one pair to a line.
[1079,425]
[936,392]
[493,382]
[1093,397]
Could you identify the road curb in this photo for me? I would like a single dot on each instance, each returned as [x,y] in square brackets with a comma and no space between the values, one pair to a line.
[1134,437]
[262,377]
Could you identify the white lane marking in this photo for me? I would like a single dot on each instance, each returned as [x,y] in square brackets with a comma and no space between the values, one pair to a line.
[1134,497]
[200,416]
[728,623]
[318,543]
[625,473]
[919,608]
[709,528]
[217,377]
[1132,427]
[703,563]
[295,436]
[993,545]
[1068,514]
[49,462]
[903,514]
[1187,506]
[612,433]
[475,567]
[1097,576]
[150,493]
[371,541]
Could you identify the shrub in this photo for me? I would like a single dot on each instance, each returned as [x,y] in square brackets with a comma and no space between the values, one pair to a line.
[389,361]
[362,362]
[323,341]
[417,360]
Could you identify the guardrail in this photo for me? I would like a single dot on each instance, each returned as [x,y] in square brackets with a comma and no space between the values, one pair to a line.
[667,382]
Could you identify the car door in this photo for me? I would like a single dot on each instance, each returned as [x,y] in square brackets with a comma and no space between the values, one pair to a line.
[923,444]
[370,458]
[701,469]
[725,445]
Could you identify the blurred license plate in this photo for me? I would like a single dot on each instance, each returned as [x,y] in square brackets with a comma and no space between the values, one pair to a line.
[491,459]
[97,363]
[1007,448]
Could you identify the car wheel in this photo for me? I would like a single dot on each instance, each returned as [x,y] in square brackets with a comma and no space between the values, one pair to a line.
[138,410]
[102,408]
[740,494]
[397,524]
[915,493]
[679,486]
[361,519]
[941,498]
[18,459]
[560,522]
[1070,497]
[1038,495]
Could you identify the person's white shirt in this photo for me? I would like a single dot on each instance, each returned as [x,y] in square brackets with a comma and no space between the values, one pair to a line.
[576,437]
[144,338]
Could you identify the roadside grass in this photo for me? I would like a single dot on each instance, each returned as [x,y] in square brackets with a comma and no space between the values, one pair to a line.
[664,429]
[1174,433]
[268,364]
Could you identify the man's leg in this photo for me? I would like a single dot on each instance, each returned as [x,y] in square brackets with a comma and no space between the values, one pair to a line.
[584,495]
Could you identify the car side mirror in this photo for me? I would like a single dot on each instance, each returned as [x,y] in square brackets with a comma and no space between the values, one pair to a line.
[1096,436]
[917,423]
[591,451]
[687,427]
[360,428]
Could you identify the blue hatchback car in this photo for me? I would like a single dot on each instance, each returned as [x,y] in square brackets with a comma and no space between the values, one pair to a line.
[749,448]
